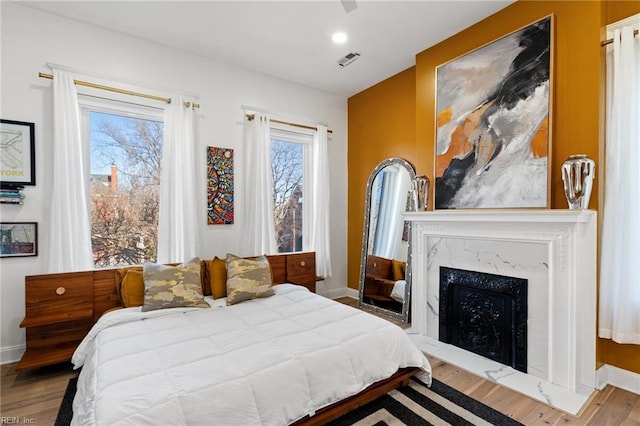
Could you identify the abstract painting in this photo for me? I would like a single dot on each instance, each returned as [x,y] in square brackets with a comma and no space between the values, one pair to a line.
[219,186]
[492,123]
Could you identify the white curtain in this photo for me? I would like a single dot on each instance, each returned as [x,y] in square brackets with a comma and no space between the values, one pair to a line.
[259,235]
[319,241]
[178,219]
[619,315]
[70,224]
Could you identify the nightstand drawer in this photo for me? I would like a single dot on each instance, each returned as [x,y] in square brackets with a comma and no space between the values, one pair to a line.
[301,270]
[50,300]
[301,264]
[378,267]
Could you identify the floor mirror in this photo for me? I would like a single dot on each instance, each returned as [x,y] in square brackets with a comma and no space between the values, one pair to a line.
[385,278]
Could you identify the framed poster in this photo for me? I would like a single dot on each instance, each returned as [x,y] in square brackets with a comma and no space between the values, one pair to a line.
[17,153]
[18,239]
[219,186]
[493,123]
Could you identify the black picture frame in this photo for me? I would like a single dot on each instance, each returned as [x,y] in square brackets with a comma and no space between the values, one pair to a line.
[18,156]
[18,239]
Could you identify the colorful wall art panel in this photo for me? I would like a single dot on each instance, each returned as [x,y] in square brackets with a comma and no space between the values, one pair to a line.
[219,186]
[492,123]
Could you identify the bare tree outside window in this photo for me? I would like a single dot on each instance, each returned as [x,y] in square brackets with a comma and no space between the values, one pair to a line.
[287,172]
[125,185]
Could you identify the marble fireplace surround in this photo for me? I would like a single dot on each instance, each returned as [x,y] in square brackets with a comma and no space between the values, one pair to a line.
[555,250]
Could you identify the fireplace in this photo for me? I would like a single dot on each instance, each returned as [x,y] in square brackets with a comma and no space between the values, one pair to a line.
[485,314]
[555,252]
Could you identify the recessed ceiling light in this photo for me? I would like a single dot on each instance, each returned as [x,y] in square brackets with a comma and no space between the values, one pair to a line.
[339,37]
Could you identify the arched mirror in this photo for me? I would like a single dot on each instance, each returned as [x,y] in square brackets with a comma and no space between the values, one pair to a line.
[385,281]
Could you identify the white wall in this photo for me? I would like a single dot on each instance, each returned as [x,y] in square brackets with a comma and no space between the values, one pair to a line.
[30,39]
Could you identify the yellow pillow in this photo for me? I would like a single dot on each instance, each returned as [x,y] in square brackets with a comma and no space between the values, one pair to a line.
[132,288]
[398,270]
[217,277]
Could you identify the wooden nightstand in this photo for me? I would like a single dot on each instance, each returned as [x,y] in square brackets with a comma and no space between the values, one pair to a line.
[58,314]
[301,270]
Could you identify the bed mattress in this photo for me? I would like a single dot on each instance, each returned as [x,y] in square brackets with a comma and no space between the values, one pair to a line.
[266,361]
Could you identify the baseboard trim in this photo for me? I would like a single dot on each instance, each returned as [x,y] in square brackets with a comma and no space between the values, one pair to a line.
[11,354]
[614,376]
[335,293]
[353,293]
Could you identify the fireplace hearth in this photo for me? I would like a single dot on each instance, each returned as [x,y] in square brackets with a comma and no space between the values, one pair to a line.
[485,314]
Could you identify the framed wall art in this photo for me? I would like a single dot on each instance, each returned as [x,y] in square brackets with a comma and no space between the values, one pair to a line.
[17,153]
[219,186]
[18,239]
[493,123]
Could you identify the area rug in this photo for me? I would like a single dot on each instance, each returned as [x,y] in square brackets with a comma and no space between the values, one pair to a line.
[418,404]
[65,412]
[415,404]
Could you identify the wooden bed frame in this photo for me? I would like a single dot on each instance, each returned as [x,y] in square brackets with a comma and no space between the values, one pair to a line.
[331,412]
[60,309]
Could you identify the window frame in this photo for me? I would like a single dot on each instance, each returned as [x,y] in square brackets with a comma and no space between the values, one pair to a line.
[305,137]
[113,106]
[87,104]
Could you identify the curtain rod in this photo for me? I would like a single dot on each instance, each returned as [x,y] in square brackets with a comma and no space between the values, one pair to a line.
[609,41]
[123,91]
[302,126]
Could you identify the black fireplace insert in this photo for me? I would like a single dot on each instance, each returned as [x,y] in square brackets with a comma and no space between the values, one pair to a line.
[485,314]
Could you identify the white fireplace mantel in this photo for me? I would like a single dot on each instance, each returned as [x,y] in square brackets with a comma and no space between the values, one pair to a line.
[556,251]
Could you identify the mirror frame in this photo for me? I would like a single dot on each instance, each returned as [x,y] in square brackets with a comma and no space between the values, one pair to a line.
[404,315]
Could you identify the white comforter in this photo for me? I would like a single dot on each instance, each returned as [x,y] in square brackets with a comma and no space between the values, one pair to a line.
[267,361]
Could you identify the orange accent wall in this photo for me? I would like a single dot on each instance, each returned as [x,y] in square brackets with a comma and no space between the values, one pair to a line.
[615,11]
[379,126]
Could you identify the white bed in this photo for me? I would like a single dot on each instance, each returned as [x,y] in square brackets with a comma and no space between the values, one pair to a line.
[266,361]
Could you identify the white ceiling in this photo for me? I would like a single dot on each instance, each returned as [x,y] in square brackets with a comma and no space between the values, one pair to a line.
[290,39]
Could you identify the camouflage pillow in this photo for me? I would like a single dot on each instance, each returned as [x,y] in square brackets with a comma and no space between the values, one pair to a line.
[172,286]
[247,279]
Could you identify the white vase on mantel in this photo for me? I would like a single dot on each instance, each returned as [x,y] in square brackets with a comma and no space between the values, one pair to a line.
[578,172]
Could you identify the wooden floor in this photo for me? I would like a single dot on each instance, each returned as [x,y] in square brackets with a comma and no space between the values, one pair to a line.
[35,396]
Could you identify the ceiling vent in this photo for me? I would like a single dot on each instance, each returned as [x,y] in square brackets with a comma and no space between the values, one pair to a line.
[349,58]
[349,5]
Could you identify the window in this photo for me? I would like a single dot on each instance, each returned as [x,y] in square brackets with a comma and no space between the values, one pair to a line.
[290,164]
[125,147]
